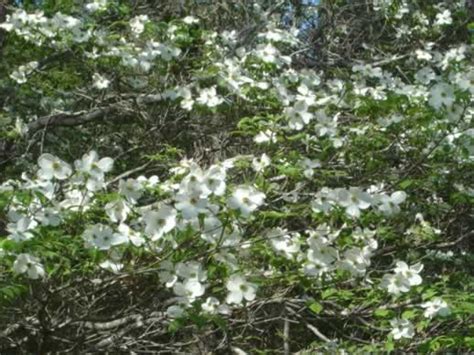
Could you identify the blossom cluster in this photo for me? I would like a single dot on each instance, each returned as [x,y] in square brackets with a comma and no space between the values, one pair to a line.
[194,199]
[354,200]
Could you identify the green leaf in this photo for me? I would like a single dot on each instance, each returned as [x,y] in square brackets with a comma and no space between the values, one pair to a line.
[382,313]
[389,345]
[409,314]
[469,341]
[428,294]
[406,183]
[466,307]
[316,307]
[328,293]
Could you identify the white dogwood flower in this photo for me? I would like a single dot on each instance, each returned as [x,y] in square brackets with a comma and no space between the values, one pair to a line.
[443,18]
[402,328]
[26,263]
[96,5]
[175,311]
[21,230]
[92,166]
[189,20]
[239,289]
[441,94]
[190,205]
[356,260]
[284,242]
[403,278]
[410,273]
[309,165]
[158,223]
[133,236]
[211,305]
[117,210]
[190,289]
[265,137]
[209,97]
[390,204]
[49,216]
[267,53]
[103,237]
[112,266]
[353,200]
[246,199]
[53,167]
[132,189]
[167,273]
[214,180]
[191,270]
[259,164]
[137,24]
[298,115]
[436,307]
[320,256]
[100,82]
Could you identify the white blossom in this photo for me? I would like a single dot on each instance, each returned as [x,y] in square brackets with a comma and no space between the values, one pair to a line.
[246,199]
[175,311]
[103,237]
[239,289]
[390,204]
[209,97]
[321,256]
[112,266]
[190,289]
[354,200]
[191,270]
[259,164]
[265,136]
[117,210]
[21,74]
[53,167]
[443,18]
[96,5]
[298,115]
[403,278]
[160,222]
[133,236]
[26,263]
[284,242]
[21,230]
[132,189]
[211,305]
[100,82]
[441,94]
[190,205]
[402,328]
[137,24]
[435,307]
[214,180]
[189,20]
[49,216]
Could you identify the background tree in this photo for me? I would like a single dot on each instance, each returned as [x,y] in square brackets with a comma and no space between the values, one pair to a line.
[230,176]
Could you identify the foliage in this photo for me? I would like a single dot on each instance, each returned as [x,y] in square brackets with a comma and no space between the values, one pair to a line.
[186,186]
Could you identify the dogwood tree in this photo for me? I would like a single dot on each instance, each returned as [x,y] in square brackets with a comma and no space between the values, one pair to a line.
[247,177]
